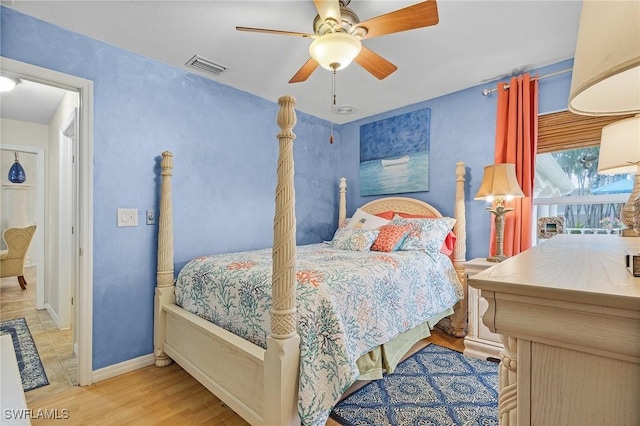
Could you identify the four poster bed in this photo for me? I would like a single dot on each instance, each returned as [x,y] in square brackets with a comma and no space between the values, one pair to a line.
[291,363]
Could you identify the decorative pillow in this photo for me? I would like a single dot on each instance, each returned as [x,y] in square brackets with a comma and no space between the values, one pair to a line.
[450,240]
[425,234]
[354,239]
[449,244]
[364,220]
[386,215]
[390,237]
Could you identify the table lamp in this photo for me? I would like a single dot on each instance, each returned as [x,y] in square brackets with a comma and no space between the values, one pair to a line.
[620,154]
[499,184]
[606,66]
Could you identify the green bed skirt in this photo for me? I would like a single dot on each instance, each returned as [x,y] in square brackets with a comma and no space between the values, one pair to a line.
[385,358]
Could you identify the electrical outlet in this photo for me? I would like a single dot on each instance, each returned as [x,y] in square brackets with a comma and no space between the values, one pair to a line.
[151,217]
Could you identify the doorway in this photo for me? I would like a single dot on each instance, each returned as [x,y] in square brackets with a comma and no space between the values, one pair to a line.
[32,196]
[82,211]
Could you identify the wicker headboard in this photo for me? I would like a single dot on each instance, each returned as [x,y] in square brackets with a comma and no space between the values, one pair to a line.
[401,205]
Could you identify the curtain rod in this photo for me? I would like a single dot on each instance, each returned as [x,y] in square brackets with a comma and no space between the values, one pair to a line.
[487,92]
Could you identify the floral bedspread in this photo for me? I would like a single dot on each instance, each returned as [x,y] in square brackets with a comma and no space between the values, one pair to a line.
[348,303]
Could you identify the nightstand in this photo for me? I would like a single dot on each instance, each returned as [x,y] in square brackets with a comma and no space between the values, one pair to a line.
[480,342]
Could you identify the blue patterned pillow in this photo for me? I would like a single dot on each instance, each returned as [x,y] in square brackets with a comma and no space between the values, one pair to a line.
[425,234]
[354,239]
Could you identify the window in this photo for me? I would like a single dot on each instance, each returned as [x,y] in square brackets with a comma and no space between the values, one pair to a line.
[566,181]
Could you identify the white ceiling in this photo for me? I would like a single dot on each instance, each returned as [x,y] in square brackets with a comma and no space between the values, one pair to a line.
[31,102]
[474,42]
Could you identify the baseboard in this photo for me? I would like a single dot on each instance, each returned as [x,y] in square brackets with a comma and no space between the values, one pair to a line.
[483,349]
[122,367]
[53,314]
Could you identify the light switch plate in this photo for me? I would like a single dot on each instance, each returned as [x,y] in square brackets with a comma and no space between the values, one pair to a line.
[127,217]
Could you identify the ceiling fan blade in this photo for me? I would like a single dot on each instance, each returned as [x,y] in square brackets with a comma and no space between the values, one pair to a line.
[417,16]
[328,9]
[375,64]
[303,73]
[267,31]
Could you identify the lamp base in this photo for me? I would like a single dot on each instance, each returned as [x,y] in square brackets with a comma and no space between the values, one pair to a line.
[496,259]
[629,233]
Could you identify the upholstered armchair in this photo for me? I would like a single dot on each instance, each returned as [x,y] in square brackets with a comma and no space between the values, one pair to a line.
[12,259]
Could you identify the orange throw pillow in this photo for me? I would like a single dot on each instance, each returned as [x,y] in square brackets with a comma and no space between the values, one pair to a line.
[386,215]
[390,237]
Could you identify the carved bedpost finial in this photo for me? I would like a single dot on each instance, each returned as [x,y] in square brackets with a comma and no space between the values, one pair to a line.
[287,115]
[167,163]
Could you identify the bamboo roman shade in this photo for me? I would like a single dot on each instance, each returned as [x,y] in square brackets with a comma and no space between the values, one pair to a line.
[566,130]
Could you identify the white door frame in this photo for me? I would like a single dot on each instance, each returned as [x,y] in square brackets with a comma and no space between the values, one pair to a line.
[40,217]
[84,235]
[67,193]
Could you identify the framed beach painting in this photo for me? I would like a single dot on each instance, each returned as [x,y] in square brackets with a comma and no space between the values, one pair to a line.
[394,154]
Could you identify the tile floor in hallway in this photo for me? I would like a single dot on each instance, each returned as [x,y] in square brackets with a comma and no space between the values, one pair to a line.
[54,346]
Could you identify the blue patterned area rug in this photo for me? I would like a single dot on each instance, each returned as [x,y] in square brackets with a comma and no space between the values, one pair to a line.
[31,369]
[434,387]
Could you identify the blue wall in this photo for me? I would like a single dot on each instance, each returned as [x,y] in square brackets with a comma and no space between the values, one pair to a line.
[225,147]
[462,129]
[225,158]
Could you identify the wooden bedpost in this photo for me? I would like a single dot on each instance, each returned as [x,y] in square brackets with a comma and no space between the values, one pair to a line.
[283,344]
[456,324]
[164,279]
[342,209]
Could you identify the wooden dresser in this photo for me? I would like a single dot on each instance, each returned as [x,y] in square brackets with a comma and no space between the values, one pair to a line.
[568,312]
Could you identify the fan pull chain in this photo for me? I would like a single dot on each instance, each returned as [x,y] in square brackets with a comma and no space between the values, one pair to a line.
[333,88]
[331,137]
[333,100]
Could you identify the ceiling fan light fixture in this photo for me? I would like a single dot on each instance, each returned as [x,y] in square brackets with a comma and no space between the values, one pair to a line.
[335,51]
[7,84]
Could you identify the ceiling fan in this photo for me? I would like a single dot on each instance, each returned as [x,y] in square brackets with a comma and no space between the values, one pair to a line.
[338,35]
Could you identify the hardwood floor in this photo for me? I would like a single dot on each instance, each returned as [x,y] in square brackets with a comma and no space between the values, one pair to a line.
[158,396]
[55,346]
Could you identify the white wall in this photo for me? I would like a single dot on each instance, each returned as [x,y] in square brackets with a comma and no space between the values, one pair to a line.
[20,133]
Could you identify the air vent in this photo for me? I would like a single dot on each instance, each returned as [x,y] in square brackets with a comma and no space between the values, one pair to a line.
[205,65]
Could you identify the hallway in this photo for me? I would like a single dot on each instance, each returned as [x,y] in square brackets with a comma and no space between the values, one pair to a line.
[55,347]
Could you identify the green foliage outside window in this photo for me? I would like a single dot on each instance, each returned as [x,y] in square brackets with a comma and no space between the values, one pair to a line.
[581,167]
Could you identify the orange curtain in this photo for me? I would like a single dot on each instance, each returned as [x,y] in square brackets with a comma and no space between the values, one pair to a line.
[516,142]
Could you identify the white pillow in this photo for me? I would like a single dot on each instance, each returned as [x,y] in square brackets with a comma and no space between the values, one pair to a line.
[364,220]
